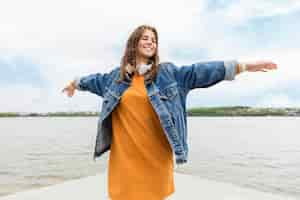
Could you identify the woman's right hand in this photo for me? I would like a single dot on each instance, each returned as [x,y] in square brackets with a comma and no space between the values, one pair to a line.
[70,89]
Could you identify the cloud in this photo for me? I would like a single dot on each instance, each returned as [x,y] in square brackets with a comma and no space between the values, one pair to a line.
[19,70]
[58,40]
[277,100]
[238,12]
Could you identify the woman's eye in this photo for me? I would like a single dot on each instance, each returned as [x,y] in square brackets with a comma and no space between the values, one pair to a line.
[145,38]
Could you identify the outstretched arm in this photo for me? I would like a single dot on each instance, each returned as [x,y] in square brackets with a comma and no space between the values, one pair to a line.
[94,83]
[261,66]
[206,74]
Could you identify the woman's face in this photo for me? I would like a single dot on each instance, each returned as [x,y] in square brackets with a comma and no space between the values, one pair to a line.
[147,44]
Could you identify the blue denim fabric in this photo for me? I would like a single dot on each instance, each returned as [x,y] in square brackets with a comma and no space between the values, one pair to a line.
[167,94]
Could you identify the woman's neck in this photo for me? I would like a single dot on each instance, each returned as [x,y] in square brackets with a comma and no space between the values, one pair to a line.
[140,61]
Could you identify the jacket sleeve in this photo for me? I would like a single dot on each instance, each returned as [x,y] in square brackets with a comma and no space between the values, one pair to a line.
[94,83]
[205,74]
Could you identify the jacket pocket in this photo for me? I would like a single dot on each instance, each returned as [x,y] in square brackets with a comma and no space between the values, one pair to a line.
[170,98]
[168,93]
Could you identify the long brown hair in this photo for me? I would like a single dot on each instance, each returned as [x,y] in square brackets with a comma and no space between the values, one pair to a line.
[129,56]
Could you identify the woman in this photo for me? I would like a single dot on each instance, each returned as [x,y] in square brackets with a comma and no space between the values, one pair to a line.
[143,115]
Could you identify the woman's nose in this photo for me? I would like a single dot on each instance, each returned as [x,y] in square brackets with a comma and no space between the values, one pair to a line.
[149,41]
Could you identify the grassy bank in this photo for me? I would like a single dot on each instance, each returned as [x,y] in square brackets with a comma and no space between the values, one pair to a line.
[243,111]
[198,111]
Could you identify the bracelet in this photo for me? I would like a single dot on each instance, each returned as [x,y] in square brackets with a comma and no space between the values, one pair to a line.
[243,67]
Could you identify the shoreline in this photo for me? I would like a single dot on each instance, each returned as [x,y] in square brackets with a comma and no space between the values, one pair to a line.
[95,188]
[191,111]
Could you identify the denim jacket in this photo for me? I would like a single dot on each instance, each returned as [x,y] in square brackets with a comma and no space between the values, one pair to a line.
[167,94]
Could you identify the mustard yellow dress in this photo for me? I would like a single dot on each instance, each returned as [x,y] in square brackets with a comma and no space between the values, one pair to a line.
[140,161]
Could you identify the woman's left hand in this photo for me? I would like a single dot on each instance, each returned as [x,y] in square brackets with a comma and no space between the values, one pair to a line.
[263,66]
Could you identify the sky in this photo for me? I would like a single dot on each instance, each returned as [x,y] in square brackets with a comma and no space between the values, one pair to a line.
[45,44]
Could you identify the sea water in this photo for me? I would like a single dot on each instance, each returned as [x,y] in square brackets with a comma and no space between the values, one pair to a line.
[257,152]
